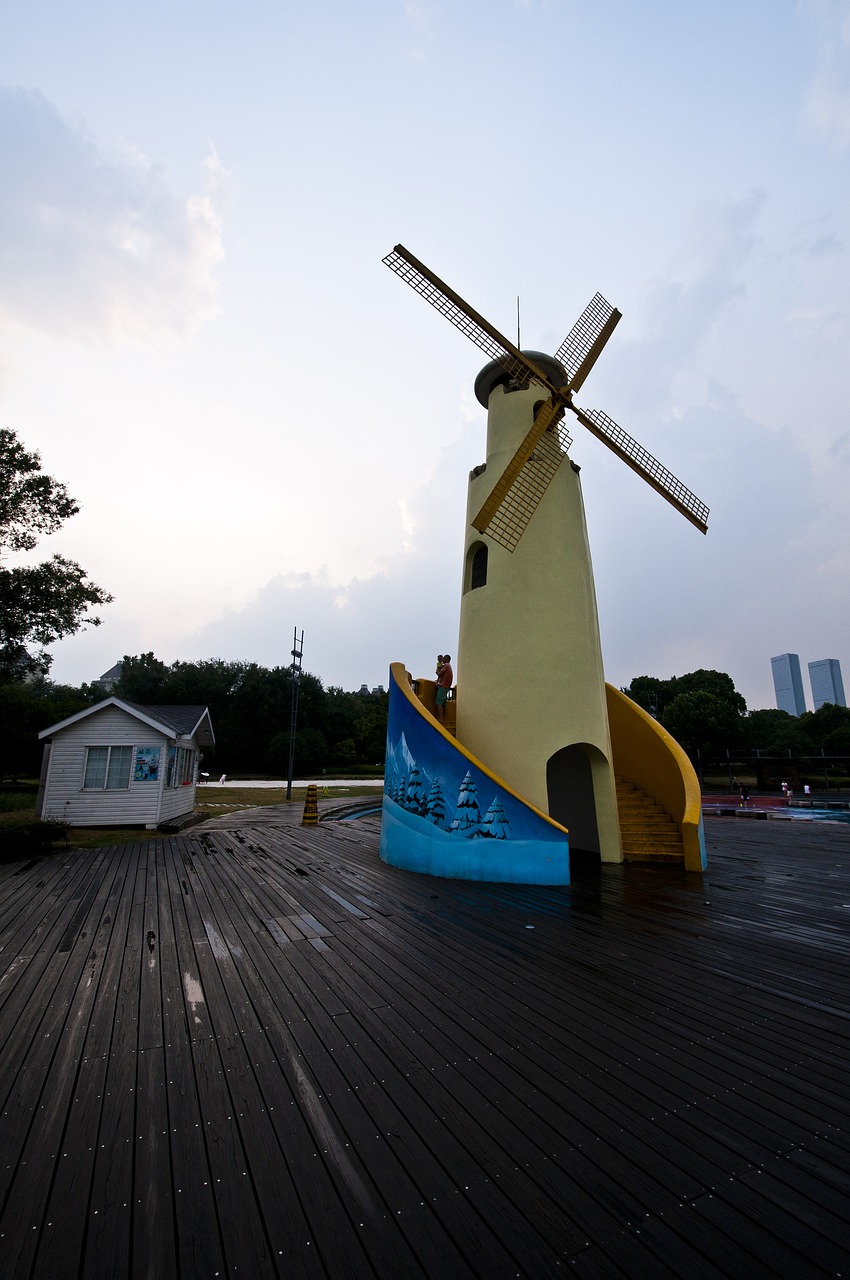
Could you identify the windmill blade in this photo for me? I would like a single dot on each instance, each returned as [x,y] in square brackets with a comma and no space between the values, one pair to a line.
[464,317]
[636,457]
[516,495]
[583,344]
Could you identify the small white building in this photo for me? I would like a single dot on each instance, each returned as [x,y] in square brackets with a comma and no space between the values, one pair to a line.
[121,763]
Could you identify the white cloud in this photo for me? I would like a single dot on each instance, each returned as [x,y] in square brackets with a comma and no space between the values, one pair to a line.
[679,311]
[350,636]
[828,105]
[96,244]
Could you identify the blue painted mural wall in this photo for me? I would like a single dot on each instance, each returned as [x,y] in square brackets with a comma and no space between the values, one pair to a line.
[445,816]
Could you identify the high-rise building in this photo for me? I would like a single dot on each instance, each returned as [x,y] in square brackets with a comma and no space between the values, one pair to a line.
[788,683]
[827,685]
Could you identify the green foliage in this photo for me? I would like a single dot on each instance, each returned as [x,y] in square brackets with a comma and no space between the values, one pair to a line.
[31,504]
[705,713]
[38,603]
[702,709]
[655,695]
[703,722]
[143,679]
[27,836]
[251,712]
[826,730]
[18,800]
[26,707]
[776,733]
[311,752]
[250,708]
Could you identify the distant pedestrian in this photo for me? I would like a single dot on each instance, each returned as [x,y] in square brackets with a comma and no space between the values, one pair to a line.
[745,797]
[789,795]
[223,779]
[807,791]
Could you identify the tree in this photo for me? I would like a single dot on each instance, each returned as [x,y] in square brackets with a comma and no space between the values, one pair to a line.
[311,752]
[828,728]
[495,824]
[655,695]
[27,707]
[251,711]
[436,806]
[773,732]
[703,722]
[143,679]
[467,819]
[39,604]
[716,683]
[650,693]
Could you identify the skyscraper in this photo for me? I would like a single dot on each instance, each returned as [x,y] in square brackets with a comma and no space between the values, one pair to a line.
[827,685]
[788,683]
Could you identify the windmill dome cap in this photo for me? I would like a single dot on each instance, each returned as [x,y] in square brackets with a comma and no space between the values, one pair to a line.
[493,374]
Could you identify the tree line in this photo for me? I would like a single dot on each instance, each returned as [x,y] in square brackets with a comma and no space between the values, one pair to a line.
[707,716]
[250,709]
[251,712]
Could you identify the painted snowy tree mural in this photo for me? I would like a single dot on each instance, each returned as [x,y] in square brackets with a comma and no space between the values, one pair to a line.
[437,812]
[467,819]
[495,822]
[414,800]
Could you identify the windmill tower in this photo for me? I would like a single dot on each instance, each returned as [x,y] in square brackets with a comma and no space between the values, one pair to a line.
[531,696]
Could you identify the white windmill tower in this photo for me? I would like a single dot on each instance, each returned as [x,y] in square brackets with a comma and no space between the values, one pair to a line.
[532,702]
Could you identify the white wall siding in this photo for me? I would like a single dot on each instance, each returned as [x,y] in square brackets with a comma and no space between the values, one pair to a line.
[141,803]
[176,801]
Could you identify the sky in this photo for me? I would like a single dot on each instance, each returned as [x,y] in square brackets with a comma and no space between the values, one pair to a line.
[266,430]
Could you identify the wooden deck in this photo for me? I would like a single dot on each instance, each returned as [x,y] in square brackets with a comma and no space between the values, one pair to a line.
[254,1050]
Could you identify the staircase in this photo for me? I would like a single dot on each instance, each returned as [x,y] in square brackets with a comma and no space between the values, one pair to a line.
[648,832]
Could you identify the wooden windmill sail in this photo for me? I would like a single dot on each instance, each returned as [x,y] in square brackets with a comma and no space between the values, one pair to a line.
[517,492]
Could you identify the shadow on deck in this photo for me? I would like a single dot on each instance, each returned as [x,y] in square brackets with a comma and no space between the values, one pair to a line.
[255,1050]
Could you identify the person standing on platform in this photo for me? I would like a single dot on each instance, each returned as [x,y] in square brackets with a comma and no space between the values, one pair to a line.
[445,680]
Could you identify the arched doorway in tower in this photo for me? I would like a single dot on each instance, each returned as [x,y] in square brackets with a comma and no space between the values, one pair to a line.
[569,786]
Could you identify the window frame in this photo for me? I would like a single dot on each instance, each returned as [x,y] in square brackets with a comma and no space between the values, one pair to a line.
[113,777]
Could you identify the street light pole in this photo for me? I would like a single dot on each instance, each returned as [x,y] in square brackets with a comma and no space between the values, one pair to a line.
[297,651]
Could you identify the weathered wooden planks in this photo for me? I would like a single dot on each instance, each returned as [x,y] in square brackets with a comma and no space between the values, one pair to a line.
[261,1051]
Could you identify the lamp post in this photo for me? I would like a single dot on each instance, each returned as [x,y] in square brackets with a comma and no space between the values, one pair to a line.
[297,651]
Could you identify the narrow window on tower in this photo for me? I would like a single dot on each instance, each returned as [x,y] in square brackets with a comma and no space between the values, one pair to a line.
[477,566]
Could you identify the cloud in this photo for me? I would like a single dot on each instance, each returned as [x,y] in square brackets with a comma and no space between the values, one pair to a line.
[96,243]
[407,611]
[351,633]
[828,104]
[680,311]
[681,601]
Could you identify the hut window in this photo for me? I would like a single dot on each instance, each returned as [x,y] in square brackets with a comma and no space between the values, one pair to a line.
[107,768]
[180,767]
[187,767]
